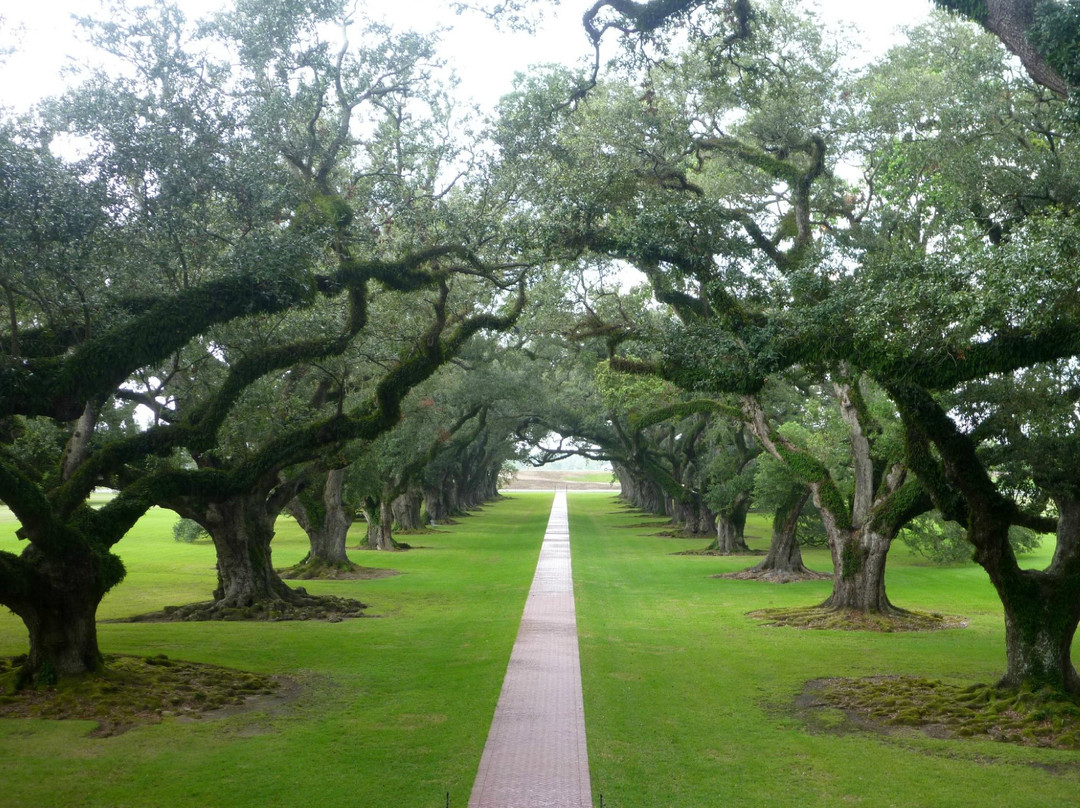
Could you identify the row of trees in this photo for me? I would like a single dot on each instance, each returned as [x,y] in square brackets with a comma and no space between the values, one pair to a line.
[331,296]
[267,253]
[902,239]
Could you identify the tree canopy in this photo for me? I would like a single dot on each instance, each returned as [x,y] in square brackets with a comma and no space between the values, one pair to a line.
[288,270]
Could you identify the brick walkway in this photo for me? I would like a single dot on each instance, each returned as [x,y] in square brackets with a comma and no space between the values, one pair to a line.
[535,753]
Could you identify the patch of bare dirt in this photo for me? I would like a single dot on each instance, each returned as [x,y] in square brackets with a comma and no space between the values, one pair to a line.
[335,572]
[774,576]
[707,552]
[330,608]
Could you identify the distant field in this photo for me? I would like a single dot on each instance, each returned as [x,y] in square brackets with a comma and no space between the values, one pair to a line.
[548,479]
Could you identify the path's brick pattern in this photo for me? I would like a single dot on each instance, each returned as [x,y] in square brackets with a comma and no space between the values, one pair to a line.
[535,754]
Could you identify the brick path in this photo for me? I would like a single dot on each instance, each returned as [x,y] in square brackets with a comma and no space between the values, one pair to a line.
[535,753]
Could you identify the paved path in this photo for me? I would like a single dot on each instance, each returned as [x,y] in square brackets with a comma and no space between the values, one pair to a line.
[535,753]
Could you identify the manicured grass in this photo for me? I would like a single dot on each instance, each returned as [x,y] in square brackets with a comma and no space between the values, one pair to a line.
[689,703]
[392,711]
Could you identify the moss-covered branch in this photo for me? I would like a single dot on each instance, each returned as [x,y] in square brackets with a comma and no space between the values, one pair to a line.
[60,388]
[685,409]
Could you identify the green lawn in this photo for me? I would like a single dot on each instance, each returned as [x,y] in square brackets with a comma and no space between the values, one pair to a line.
[394,711]
[688,702]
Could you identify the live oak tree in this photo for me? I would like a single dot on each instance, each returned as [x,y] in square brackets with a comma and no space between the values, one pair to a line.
[258,225]
[715,178]
[978,179]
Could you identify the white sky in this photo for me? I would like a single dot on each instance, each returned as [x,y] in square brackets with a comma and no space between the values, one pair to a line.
[485,60]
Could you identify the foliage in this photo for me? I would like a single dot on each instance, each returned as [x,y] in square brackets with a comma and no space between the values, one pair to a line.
[189,531]
[1056,34]
[942,542]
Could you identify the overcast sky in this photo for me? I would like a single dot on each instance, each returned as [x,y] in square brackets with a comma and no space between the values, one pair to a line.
[485,60]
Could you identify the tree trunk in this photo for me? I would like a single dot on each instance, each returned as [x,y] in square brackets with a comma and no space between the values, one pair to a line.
[326,520]
[434,507]
[406,510]
[1041,615]
[858,558]
[859,547]
[1042,607]
[242,529]
[60,614]
[380,518]
[784,562]
[639,491]
[731,527]
[729,536]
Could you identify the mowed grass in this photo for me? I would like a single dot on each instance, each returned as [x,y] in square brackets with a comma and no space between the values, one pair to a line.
[689,703]
[391,711]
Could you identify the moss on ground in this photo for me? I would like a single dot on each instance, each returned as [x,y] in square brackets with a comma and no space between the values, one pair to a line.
[307,607]
[823,617]
[1045,718]
[321,570]
[131,691]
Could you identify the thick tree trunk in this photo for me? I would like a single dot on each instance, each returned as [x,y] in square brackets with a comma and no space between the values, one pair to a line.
[1041,615]
[242,530]
[784,562]
[639,491]
[729,536]
[326,520]
[1042,607]
[63,642]
[859,547]
[731,527]
[859,571]
[406,510]
[380,518]
[60,614]
[694,516]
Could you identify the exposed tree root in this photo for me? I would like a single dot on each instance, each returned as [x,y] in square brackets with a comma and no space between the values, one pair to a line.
[133,691]
[1045,718]
[301,607]
[824,617]
[323,570]
[706,551]
[775,576]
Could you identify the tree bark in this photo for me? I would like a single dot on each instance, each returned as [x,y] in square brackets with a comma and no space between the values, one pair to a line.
[1042,607]
[60,614]
[784,562]
[380,518]
[242,529]
[406,510]
[859,571]
[730,529]
[639,491]
[326,520]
